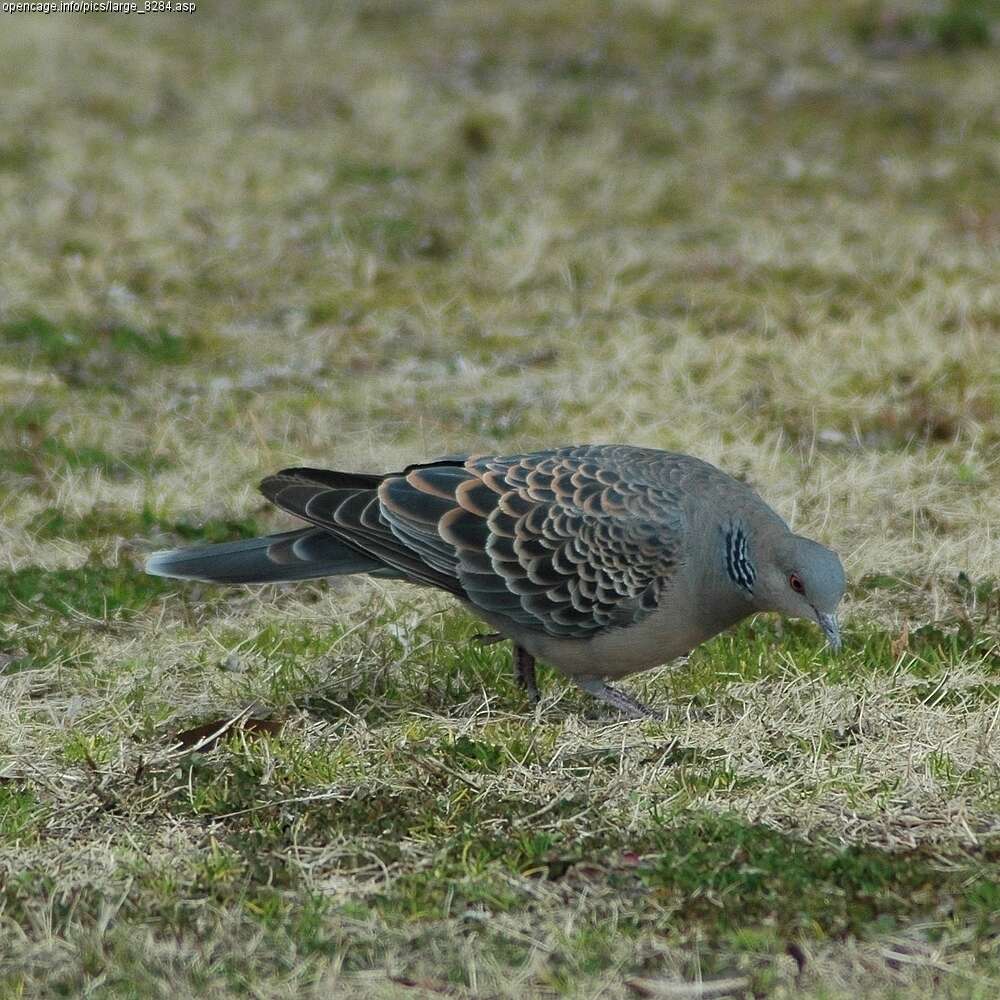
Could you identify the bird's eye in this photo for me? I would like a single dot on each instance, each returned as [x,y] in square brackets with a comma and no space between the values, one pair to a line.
[795,582]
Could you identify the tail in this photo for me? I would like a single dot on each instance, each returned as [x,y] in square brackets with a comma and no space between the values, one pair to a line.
[306,554]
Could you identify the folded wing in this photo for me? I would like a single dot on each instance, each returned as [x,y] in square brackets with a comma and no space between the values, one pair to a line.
[555,541]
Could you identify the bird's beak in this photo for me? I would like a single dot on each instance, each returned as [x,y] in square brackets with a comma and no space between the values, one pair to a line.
[831,627]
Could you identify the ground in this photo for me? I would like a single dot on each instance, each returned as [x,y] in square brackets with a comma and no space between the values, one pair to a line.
[369,233]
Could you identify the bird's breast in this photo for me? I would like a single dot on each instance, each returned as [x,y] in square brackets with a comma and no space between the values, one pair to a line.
[659,638]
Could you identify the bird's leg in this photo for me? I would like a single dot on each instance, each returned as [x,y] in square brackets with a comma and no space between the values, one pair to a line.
[488,639]
[524,664]
[524,673]
[625,704]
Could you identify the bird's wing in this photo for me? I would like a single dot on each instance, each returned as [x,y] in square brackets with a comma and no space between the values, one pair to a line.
[347,506]
[568,542]
[555,541]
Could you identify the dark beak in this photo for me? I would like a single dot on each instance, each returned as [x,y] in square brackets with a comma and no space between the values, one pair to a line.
[831,627]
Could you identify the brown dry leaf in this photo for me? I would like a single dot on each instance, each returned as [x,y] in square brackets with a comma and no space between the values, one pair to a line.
[717,988]
[901,643]
[430,985]
[798,955]
[10,659]
[208,734]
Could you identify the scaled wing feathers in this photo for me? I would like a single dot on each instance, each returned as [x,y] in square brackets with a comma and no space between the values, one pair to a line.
[553,541]
[569,542]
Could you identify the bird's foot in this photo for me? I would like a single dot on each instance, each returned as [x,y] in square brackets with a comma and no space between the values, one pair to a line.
[524,673]
[625,703]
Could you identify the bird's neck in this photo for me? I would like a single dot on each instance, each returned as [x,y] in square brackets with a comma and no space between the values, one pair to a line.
[731,564]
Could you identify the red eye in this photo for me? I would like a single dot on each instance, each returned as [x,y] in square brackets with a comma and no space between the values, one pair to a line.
[796,584]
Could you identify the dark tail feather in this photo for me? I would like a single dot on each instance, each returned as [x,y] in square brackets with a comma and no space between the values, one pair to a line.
[307,554]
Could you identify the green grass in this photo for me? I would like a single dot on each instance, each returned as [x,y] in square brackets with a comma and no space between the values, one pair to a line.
[91,590]
[363,235]
[103,522]
[57,344]
[51,454]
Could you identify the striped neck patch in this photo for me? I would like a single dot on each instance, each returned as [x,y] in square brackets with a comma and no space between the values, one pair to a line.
[738,564]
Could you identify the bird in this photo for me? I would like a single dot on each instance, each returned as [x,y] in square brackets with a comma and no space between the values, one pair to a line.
[600,560]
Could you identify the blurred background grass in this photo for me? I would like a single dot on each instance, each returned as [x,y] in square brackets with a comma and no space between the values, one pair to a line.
[381,231]
[372,232]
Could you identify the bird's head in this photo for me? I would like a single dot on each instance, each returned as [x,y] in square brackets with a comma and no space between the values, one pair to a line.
[803,580]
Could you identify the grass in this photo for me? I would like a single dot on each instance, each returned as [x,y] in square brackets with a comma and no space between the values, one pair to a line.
[364,235]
